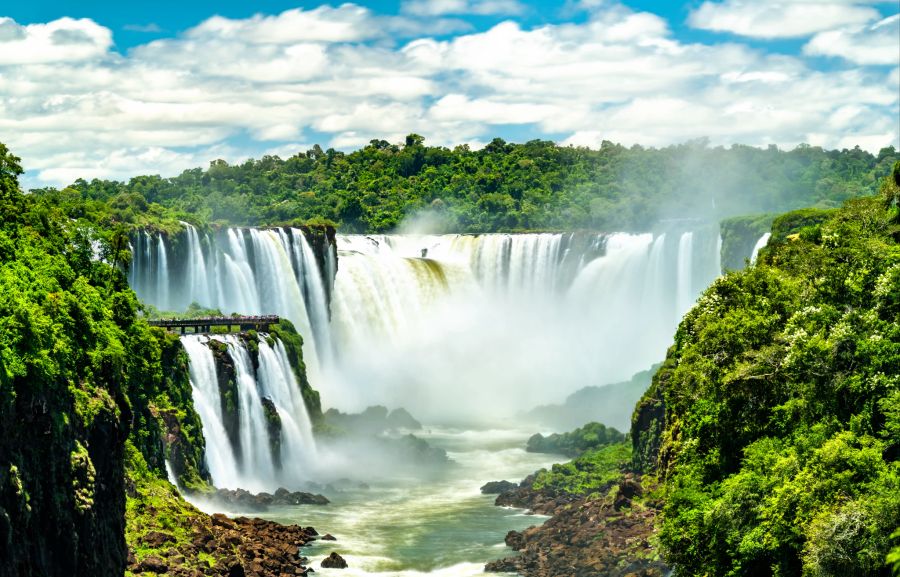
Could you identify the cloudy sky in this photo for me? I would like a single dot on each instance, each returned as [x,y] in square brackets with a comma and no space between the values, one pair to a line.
[101,88]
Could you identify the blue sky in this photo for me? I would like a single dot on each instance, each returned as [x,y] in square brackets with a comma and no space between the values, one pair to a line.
[110,89]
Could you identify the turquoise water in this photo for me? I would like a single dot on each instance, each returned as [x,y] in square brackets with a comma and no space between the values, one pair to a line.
[443,527]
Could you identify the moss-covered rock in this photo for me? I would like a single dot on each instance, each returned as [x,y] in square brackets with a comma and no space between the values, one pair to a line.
[273,429]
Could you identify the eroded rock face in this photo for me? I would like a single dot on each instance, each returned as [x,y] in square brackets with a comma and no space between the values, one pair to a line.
[62,488]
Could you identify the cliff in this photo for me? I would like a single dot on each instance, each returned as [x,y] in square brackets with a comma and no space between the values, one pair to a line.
[773,423]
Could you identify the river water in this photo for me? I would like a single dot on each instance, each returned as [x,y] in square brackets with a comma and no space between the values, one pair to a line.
[437,525]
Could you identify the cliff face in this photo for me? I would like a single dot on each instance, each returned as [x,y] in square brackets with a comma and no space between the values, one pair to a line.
[62,496]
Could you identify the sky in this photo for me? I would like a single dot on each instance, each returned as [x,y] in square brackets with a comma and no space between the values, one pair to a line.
[109,89]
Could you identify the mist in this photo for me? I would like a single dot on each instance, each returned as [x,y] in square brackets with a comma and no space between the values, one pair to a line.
[487,327]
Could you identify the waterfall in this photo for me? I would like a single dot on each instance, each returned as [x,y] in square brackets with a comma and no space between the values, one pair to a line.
[220,459]
[162,273]
[450,323]
[763,240]
[251,463]
[685,292]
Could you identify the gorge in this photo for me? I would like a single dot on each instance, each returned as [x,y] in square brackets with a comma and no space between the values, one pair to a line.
[587,309]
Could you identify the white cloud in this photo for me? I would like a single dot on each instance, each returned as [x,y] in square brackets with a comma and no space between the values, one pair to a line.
[458,7]
[268,82]
[779,18]
[875,44]
[65,39]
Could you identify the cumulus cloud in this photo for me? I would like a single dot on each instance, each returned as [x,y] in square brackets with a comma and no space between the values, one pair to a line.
[65,39]
[72,106]
[875,44]
[779,18]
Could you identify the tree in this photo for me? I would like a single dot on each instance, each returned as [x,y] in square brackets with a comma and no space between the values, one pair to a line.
[10,195]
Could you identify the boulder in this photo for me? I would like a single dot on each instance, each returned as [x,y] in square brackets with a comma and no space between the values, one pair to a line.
[334,561]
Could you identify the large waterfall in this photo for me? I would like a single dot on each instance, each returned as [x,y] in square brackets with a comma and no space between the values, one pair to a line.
[448,326]
[257,429]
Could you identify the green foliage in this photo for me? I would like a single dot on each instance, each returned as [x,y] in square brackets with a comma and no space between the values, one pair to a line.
[594,471]
[773,422]
[739,236]
[503,187]
[79,374]
[155,506]
[587,438]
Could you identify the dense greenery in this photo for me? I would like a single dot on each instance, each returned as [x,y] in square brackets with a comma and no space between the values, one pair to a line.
[587,438]
[81,377]
[594,471]
[533,186]
[774,421]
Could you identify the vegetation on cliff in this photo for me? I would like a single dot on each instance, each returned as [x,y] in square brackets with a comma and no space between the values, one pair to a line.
[94,404]
[773,423]
[502,187]
[574,443]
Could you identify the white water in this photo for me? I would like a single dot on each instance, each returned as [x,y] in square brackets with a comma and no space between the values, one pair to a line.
[763,240]
[482,323]
[251,464]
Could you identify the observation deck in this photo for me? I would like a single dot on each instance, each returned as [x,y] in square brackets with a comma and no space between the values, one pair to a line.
[205,324]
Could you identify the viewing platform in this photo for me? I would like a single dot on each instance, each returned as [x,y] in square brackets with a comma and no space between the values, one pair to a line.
[205,324]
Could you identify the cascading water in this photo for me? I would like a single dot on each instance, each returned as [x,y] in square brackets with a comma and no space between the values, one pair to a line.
[251,459]
[685,279]
[451,327]
[763,240]
[425,321]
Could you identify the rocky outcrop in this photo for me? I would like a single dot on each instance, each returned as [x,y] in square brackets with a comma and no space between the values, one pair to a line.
[258,502]
[334,561]
[322,241]
[228,393]
[273,428]
[607,534]
[497,487]
[240,547]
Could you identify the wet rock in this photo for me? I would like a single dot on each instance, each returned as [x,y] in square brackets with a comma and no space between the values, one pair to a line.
[247,501]
[497,487]
[334,561]
[153,564]
[515,540]
[328,537]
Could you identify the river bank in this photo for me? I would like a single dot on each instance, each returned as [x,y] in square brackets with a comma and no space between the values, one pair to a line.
[608,532]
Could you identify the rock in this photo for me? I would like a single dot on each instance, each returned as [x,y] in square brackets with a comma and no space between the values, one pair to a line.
[497,487]
[153,564]
[328,537]
[236,570]
[154,539]
[515,540]
[334,561]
